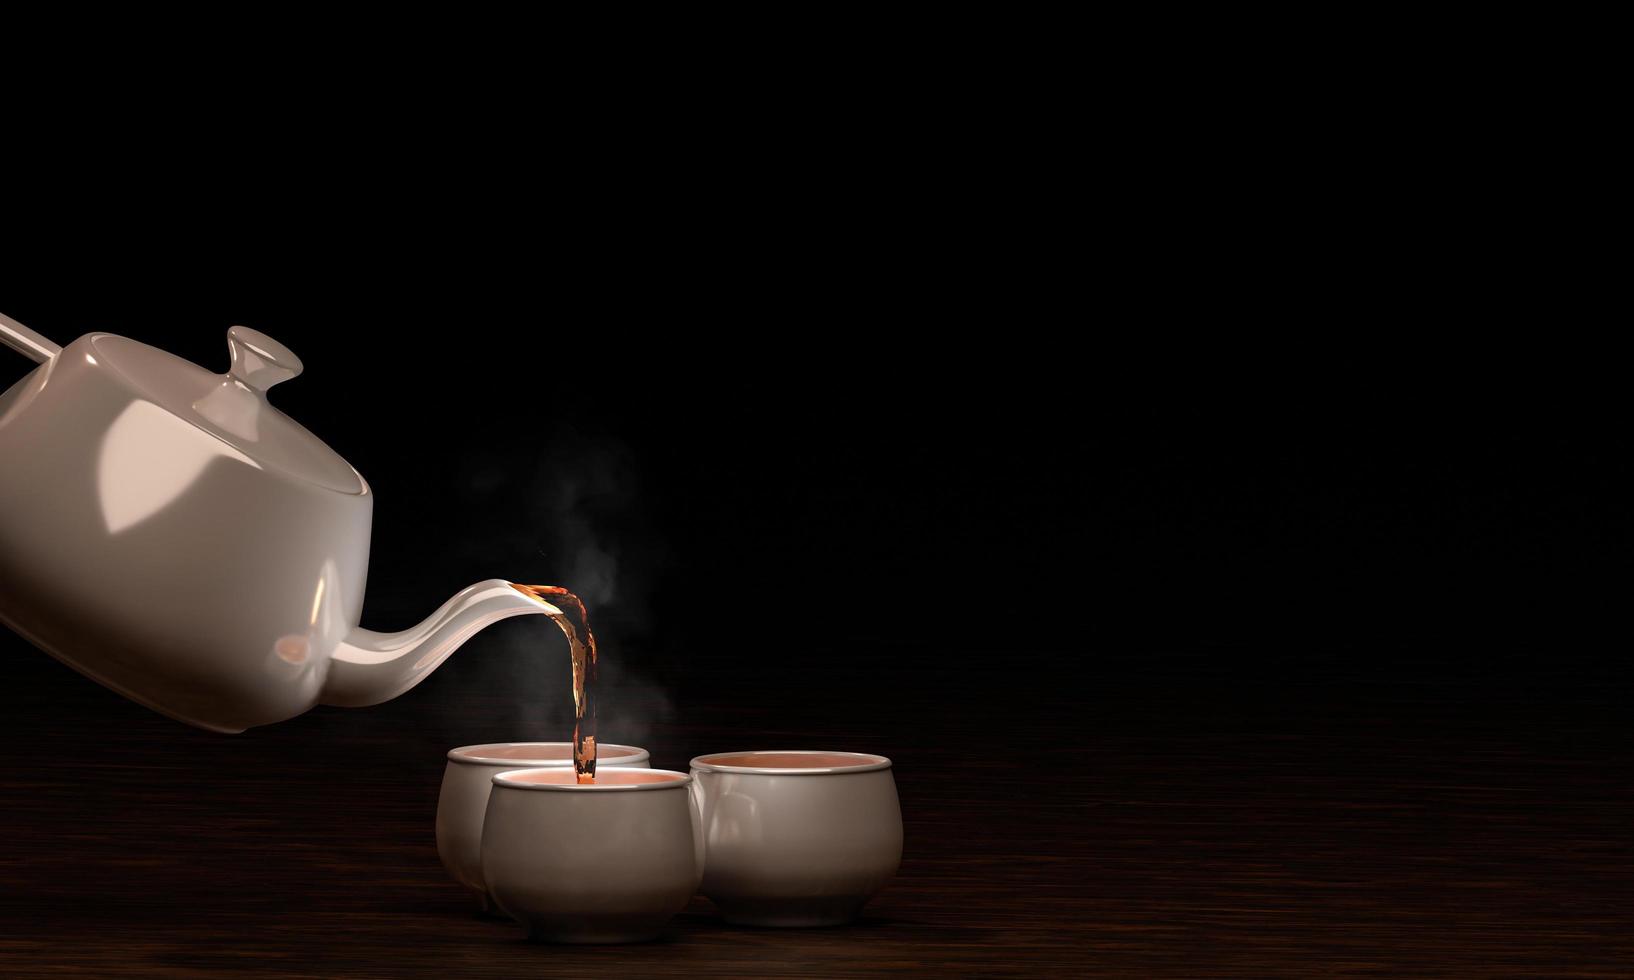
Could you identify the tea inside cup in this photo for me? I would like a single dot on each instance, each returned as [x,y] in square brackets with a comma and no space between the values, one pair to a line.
[790,762]
[540,754]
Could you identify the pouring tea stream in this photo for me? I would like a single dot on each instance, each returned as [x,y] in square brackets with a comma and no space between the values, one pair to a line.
[169,533]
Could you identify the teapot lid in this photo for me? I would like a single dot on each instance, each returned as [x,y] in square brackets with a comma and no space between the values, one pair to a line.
[233,406]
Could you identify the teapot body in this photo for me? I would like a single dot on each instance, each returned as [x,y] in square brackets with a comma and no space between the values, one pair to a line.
[149,553]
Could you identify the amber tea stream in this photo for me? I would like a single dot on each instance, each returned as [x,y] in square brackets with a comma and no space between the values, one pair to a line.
[584,674]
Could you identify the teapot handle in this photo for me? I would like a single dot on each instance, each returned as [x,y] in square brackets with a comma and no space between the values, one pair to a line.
[25,341]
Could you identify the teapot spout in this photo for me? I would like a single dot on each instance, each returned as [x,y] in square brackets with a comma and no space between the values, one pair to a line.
[369,667]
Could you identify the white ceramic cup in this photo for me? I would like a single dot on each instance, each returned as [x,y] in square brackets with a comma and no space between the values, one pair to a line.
[606,862]
[464,799]
[796,838]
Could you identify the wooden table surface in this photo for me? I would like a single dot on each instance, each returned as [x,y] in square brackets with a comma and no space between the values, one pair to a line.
[1218,814]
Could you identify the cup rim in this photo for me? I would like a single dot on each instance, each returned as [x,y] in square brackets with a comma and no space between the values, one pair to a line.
[868,762]
[471,755]
[504,779]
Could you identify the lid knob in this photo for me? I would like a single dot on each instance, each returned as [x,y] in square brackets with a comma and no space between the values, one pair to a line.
[259,361]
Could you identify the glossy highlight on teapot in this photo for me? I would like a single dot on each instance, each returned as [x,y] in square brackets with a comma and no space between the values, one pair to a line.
[113,452]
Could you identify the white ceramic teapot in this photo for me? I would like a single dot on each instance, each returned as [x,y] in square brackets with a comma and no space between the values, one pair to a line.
[168,533]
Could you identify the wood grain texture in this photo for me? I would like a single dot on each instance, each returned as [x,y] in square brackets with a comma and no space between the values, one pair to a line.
[1174,815]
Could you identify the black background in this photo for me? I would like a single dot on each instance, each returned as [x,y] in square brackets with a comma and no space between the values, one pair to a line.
[770,442]
[772,453]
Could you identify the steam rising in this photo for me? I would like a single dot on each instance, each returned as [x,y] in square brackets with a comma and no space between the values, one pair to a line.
[571,518]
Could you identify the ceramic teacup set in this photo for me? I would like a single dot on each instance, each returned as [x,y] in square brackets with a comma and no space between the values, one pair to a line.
[785,838]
